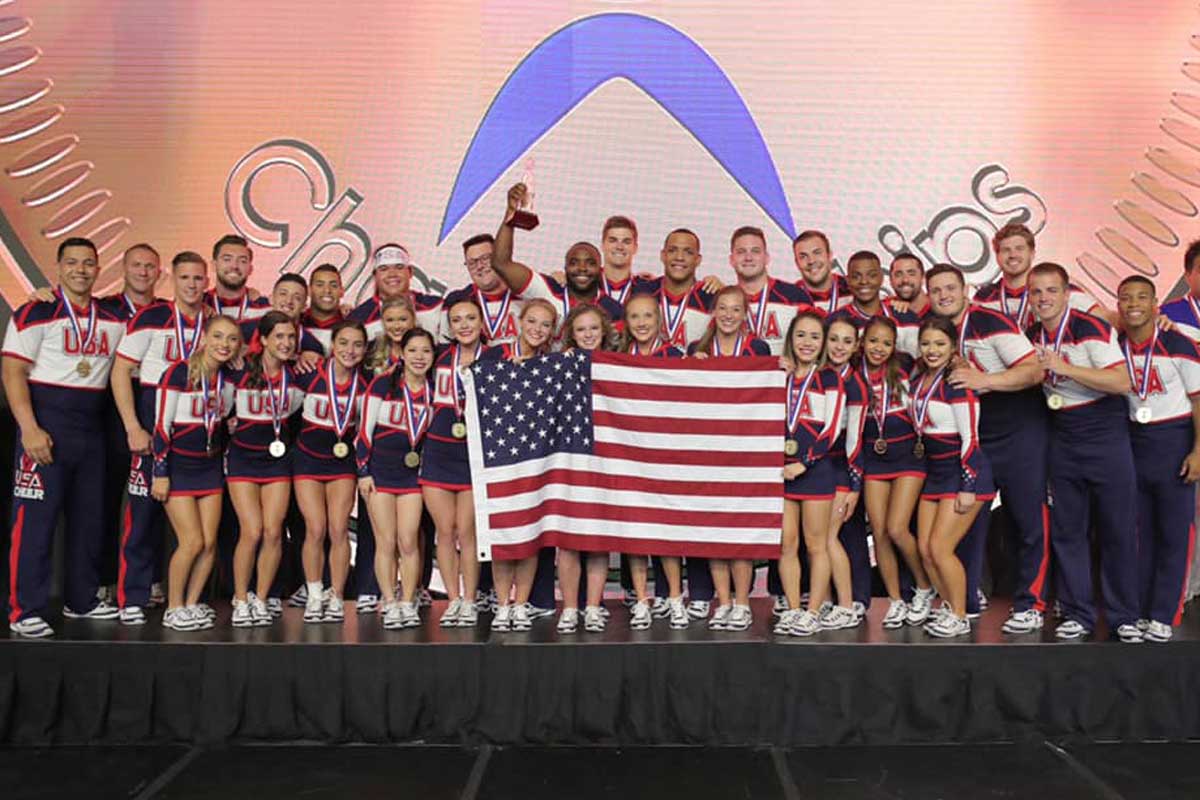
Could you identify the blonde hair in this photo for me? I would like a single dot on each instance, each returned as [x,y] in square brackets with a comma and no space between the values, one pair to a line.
[608,332]
[377,359]
[195,362]
[627,335]
[705,345]
[538,302]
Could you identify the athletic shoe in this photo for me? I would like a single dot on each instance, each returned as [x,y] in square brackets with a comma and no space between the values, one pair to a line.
[367,603]
[639,617]
[299,598]
[1129,633]
[537,612]
[208,611]
[1070,629]
[468,617]
[805,623]
[739,619]
[860,612]
[920,607]
[949,626]
[824,609]
[720,618]
[314,608]
[779,606]
[1143,625]
[393,620]
[101,610]
[699,609]
[243,617]
[838,617]
[260,612]
[203,621]
[629,600]
[179,619]
[157,596]
[1158,631]
[660,608]
[896,614]
[108,594]
[31,628]
[519,617]
[982,598]
[335,609]
[1026,621]
[679,618]
[593,620]
[604,612]
[568,621]
[132,615]
[409,616]
[424,599]
[502,620]
[450,615]
[783,625]
[274,607]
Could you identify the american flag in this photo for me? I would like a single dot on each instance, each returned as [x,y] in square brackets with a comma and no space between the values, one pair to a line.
[610,452]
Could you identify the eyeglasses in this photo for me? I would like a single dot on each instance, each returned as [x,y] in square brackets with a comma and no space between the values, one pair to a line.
[481,261]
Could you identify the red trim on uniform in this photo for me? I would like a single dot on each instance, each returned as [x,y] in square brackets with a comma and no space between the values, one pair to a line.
[398,491]
[1187,572]
[18,357]
[195,493]
[450,487]
[800,497]
[342,476]
[954,495]
[1039,582]
[14,558]
[280,479]
[122,563]
[891,476]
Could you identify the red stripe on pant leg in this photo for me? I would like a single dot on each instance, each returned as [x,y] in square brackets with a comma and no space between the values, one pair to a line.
[14,558]
[1187,574]
[122,564]
[1039,583]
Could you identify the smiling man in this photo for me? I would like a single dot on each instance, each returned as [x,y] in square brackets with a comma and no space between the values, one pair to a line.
[864,277]
[325,292]
[233,263]
[770,303]
[393,271]
[907,277]
[826,290]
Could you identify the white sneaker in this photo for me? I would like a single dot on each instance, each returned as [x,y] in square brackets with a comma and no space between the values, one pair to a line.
[1143,625]
[920,607]
[367,603]
[739,619]
[860,611]
[299,598]
[805,623]
[393,619]
[450,615]
[593,619]
[537,612]
[699,609]
[1129,633]
[1158,632]
[679,619]
[779,606]
[604,612]
[1070,629]
[157,596]
[948,626]
[659,608]
[783,625]
[568,621]
[639,617]
[259,611]
[207,611]
[132,615]
[314,607]
[824,609]
[274,607]
[243,617]
[629,599]
[502,620]
[409,617]
[896,614]
[982,598]
[203,620]
[1026,621]
[838,617]
[519,617]
[101,610]
[31,628]
[720,618]
[335,609]
[179,619]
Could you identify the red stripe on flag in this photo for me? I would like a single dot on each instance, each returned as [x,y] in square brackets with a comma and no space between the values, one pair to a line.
[634,546]
[741,364]
[620,482]
[688,425]
[694,458]
[730,395]
[622,513]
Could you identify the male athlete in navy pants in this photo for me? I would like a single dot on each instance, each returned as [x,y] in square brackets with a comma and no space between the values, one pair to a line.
[57,357]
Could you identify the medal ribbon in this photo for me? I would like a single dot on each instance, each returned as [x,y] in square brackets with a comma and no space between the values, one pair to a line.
[758,318]
[278,404]
[962,333]
[1142,387]
[133,309]
[211,409]
[185,347]
[340,423]
[796,399]
[672,321]
[74,320]
[1020,317]
[460,391]
[416,424]
[1058,340]
[737,345]
[494,322]
[608,290]
[884,399]
[921,403]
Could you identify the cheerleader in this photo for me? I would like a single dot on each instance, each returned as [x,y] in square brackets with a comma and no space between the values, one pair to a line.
[396,413]
[536,325]
[323,471]
[894,475]
[815,400]
[445,476]
[958,478]
[398,318]
[258,465]
[192,401]
[726,335]
[586,328]
[642,335]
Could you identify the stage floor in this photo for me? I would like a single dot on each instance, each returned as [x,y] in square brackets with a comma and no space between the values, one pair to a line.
[366,629]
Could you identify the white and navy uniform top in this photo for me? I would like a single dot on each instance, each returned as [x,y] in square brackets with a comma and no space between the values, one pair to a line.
[770,311]
[865,407]
[449,395]
[1014,303]
[619,291]
[306,342]
[321,329]
[685,316]
[991,342]
[1087,341]
[243,308]
[122,307]
[318,433]
[1185,313]
[744,346]
[255,422]
[385,437]
[547,288]
[1171,379]
[181,418]
[950,433]
[501,311]
[847,450]
[907,323]
[818,413]
[151,343]
[427,306]
[828,301]
[42,334]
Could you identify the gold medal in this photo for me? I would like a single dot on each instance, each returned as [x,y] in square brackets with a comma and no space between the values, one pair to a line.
[1055,401]
[880,446]
[412,459]
[84,368]
[341,450]
[1144,415]
[459,430]
[791,447]
[919,449]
